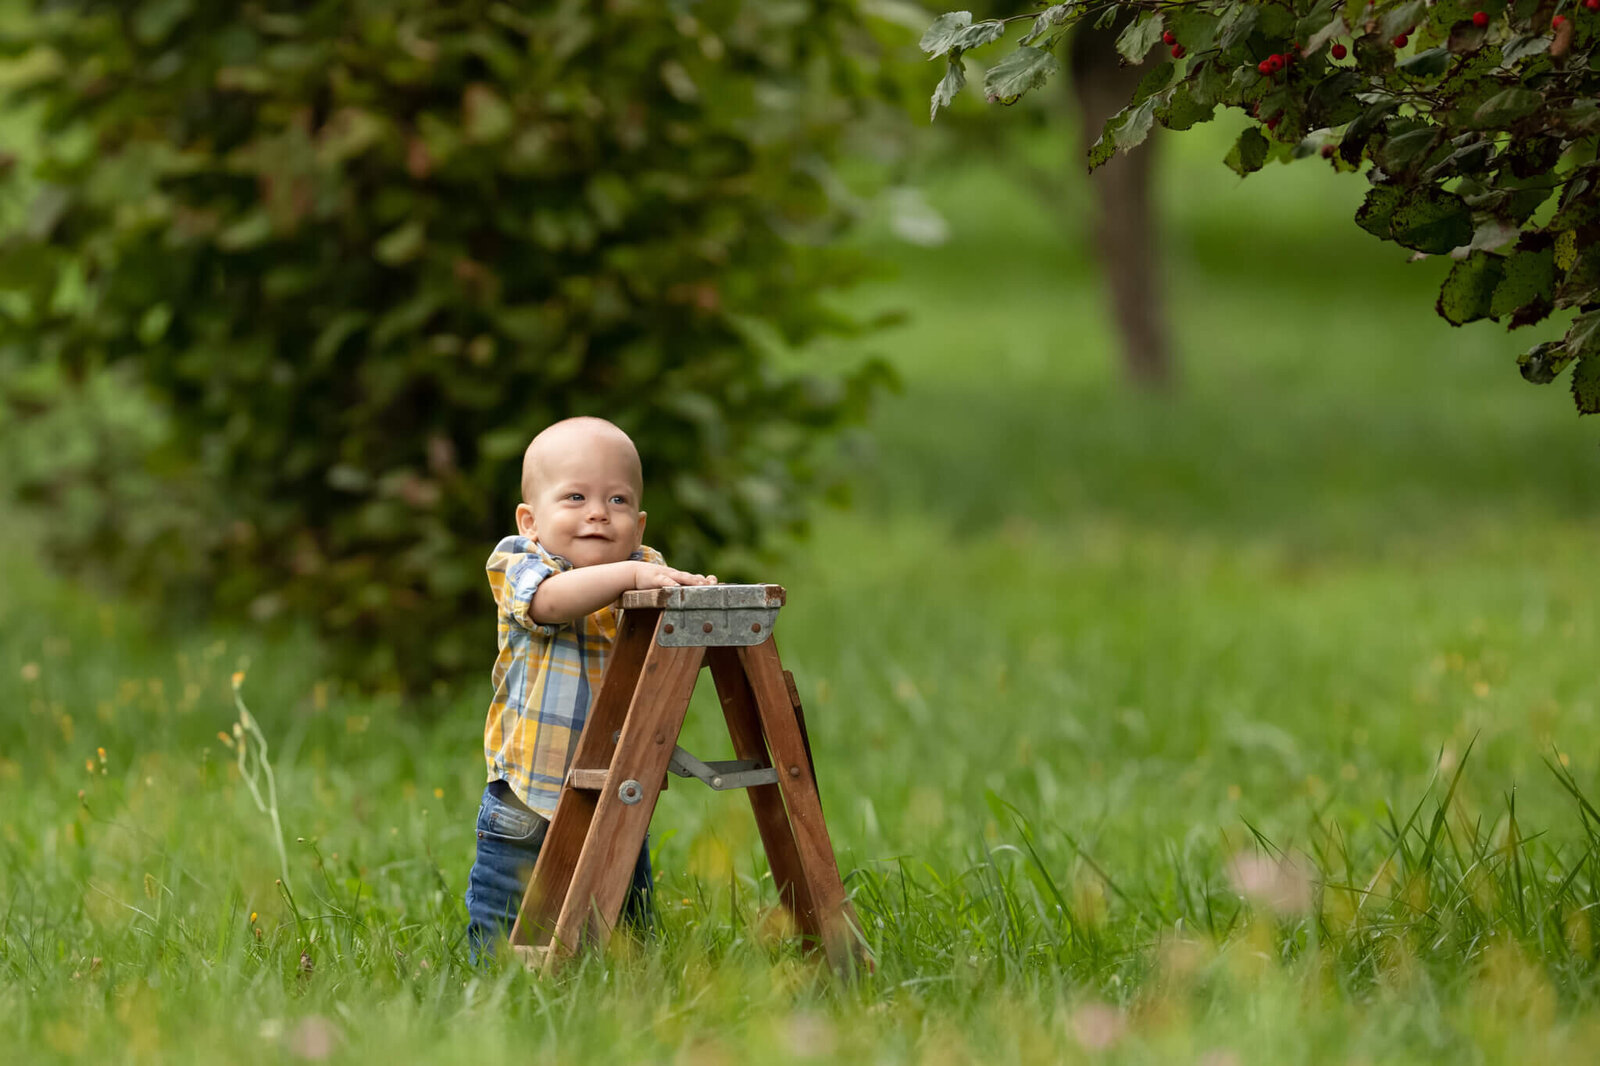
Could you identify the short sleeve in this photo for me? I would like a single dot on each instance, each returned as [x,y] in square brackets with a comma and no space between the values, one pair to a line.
[516,569]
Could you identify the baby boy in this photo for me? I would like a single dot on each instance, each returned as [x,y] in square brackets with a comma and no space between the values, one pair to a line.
[579,546]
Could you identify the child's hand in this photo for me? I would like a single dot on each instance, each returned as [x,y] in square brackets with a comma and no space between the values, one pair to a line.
[656,576]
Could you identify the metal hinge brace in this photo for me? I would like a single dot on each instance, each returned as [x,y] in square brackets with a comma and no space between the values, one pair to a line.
[722,774]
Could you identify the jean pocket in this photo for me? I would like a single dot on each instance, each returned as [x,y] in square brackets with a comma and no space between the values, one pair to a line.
[497,818]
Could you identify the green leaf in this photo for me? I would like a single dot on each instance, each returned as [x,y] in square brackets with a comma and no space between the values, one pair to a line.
[1407,139]
[1530,277]
[979,33]
[1427,64]
[1465,38]
[1566,250]
[949,85]
[250,231]
[1429,219]
[1210,86]
[1544,362]
[1361,130]
[1050,16]
[1507,106]
[335,333]
[1494,234]
[1336,28]
[1376,213]
[1132,133]
[154,322]
[1158,78]
[1332,101]
[1124,130]
[1183,111]
[1582,117]
[1237,22]
[1373,54]
[1582,282]
[1578,206]
[1583,336]
[1527,195]
[938,38]
[485,116]
[1190,24]
[1135,41]
[1401,19]
[1026,68]
[1249,152]
[1586,384]
[1469,289]
[1102,150]
[154,19]
[348,132]
[1519,48]
[402,245]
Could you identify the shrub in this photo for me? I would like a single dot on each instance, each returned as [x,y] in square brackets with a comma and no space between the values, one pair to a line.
[355,252]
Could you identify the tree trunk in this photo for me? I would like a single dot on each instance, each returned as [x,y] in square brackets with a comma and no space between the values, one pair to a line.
[1124,227]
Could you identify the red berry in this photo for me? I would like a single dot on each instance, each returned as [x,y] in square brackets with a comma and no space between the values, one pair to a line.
[1264,67]
[1339,51]
[1557,22]
[1177,49]
[1327,151]
[1276,62]
[1400,41]
[1272,123]
[1168,38]
[1592,5]
[1480,19]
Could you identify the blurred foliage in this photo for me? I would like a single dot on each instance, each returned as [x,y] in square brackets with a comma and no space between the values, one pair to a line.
[1478,130]
[356,252]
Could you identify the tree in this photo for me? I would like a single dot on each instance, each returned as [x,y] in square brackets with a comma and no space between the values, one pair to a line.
[1478,128]
[358,251]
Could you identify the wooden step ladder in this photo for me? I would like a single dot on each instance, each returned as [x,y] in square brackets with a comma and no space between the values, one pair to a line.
[629,743]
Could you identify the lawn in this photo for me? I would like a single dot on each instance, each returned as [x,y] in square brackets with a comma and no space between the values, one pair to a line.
[1242,724]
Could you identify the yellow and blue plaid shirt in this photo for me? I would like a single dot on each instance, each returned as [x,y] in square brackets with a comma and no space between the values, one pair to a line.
[544,676]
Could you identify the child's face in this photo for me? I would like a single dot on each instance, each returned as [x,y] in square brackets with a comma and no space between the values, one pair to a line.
[585,503]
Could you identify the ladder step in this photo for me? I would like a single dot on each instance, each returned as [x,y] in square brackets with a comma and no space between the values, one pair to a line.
[594,780]
[589,780]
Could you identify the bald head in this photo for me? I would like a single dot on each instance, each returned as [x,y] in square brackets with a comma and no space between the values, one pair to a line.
[573,439]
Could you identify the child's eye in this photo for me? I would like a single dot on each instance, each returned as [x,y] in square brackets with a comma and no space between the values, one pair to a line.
[575,497]
[620,500]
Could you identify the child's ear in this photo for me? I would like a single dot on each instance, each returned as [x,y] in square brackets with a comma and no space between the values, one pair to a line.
[643,517]
[525,523]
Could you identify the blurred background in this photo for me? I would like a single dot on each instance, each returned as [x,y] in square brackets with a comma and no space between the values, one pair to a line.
[287,287]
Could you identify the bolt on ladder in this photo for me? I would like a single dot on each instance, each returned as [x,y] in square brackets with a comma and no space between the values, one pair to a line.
[629,743]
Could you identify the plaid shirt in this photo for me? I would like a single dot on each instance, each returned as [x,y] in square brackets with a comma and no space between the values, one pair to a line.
[544,676]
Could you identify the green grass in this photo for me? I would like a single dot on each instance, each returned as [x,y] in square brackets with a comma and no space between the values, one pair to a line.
[1074,661]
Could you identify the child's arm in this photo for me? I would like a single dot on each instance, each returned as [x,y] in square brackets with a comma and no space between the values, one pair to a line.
[570,595]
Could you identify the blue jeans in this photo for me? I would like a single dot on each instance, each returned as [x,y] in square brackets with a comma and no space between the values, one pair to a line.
[509,838]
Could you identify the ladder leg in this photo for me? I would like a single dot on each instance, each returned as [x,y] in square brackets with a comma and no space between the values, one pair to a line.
[766,801]
[603,870]
[547,888]
[818,867]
